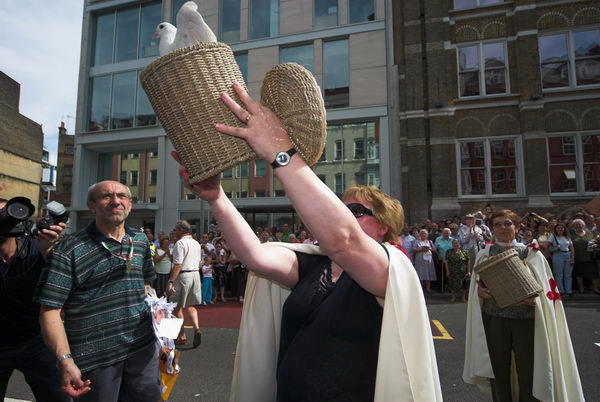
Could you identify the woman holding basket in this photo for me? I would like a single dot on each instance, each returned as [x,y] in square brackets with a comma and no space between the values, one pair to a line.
[534,330]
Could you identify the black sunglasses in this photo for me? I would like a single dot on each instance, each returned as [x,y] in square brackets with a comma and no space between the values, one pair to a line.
[359,210]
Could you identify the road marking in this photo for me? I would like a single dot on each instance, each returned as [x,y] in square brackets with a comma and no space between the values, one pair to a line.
[16,400]
[440,327]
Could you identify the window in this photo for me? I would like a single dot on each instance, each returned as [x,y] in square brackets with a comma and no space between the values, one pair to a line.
[228,173]
[361,11]
[118,101]
[68,171]
[260,193]
[69,150]
[323,155]
[339,183]
[489,167]
[372,149]
[359,178]
[279,193]
[241,170]
[124,155]
[373,177]
[260,168]
[336,74]
[153,154]
[230,21]
[574,163]
[243,194]
[359,148]
[133,178]
[126,34]
[242,61]
[339,150]
[100,103]
[144,113]
[264,18]
[303,55]
[326,13]
[123,96]
[123,178]
[134,155]
[460,4]
[475,80]
[570,59]
[152,200]
[153,177]
[66,188]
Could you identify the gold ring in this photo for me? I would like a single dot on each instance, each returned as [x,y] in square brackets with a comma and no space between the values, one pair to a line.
[247,119]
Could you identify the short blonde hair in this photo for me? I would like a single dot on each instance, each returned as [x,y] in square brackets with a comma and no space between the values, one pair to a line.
[386,210]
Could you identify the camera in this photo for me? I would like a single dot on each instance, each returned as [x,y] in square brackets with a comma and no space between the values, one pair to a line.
[56,214]
[14,217]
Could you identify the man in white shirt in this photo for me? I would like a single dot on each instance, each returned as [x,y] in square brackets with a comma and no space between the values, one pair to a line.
[184,285]
[471,237]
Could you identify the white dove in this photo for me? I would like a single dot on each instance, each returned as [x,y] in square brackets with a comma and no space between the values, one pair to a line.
[191,29]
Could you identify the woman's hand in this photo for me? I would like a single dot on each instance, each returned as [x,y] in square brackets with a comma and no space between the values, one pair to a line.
[483,291]
[264,132]
[208,189]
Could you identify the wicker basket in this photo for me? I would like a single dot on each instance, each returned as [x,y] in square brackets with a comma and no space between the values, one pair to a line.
[508,278]
[184,89]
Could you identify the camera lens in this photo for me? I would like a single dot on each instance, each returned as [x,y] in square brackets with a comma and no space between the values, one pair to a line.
[18,211]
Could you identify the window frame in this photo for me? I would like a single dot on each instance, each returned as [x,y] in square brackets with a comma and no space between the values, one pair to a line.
[341,150]
[250,27]
[487,167]
[571,59]
[481,70]
[314,16]
[579,163]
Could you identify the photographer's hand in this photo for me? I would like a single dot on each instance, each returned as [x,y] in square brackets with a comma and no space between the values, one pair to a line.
[46,238]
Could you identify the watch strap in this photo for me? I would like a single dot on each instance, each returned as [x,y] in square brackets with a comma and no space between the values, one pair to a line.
[64,357]
[291,152]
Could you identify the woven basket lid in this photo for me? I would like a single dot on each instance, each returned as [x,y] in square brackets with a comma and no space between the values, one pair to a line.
[292,93]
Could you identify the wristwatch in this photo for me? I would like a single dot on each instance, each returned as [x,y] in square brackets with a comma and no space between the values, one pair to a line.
[283,158]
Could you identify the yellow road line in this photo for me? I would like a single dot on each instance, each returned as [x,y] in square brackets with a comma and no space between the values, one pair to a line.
[445,334]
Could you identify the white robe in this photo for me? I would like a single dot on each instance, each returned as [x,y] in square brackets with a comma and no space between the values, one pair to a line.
[406,367]
[555,373]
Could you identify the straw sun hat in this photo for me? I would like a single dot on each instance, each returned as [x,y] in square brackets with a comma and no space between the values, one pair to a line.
[184,88]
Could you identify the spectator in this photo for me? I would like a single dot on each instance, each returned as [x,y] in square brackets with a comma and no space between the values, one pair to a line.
[309,239]
[443,243]
[162,264]
[471,237]
[423,257]
[585,267]
[292,238]
[96,277]
[434,231]
[285,233]
[208,249]
[303,236]
[220,274]
[408,242]
[207,279]
[454,231]
[184,281]
[22,348]
[563,258]
[457,268]
[264,236]
[543,238]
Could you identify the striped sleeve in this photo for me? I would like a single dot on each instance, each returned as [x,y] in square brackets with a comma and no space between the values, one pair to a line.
[56,280]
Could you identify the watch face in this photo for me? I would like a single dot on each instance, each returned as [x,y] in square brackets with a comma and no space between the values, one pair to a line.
[282,158]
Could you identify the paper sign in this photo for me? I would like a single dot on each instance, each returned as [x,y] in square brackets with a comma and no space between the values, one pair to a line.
[169,327]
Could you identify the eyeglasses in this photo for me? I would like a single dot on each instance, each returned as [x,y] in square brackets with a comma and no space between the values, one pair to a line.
[109,196]
[359,210]
[505,224]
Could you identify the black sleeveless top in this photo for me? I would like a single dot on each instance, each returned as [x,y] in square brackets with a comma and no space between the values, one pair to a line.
[329,337]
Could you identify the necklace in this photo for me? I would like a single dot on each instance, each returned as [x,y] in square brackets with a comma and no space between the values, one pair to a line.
[127,258]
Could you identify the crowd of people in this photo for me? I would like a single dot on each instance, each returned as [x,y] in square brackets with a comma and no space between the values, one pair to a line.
[445,251]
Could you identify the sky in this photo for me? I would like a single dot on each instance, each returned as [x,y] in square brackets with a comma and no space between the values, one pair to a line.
[39,48]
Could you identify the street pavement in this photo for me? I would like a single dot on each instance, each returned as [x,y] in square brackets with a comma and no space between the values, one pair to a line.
[206,371]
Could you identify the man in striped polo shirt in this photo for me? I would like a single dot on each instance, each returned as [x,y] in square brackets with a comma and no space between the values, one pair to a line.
[105,348]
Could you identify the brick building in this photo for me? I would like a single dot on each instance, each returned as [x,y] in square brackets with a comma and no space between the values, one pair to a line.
[64,166]
[498,102]
[21,144]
